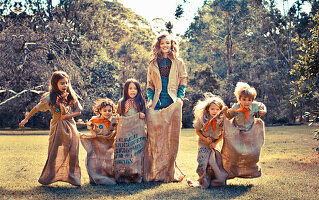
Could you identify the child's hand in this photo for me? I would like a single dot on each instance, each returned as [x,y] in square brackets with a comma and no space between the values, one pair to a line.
[212,145]
[23,122]
[93,135]
[142,115]
[209,140]
[224,109]
[66,116]
[262,112]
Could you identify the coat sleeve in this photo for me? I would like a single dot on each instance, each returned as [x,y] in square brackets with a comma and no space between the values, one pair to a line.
[150,84]
[182,74]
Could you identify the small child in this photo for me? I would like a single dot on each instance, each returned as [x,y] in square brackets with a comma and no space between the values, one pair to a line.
[63,162]
[244,135]
[100,145]
[131,136]
[208,125]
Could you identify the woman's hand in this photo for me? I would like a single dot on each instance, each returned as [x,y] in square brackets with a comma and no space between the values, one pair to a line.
[149,104]
[23,122]
[142,115]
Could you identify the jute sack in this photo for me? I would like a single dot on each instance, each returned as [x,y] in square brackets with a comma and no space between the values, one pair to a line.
[99,160]
[241,150]
[163,130]
[129,149]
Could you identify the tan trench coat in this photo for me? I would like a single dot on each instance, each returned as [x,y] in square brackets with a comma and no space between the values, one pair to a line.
[177,78]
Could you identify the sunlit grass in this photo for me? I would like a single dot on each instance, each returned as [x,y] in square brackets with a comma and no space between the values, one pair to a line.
[289,164]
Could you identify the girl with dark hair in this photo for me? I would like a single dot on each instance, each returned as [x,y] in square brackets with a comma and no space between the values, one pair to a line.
[133,100]
[131,136]
[63,162]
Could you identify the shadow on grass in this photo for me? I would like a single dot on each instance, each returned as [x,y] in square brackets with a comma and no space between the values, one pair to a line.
[86,191]
[124,190]
[227,192]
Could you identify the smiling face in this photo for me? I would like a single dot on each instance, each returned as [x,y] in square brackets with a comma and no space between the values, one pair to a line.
[132,90]
[213,109]
[245,101]
[165,46]
[63,84]
[106,112]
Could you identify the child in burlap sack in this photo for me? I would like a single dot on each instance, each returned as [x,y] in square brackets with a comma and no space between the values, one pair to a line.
[100,144]
[208,124]
[244,134]
[131,136]
[62,163]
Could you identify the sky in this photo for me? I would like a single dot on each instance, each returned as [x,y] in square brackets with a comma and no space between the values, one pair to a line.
[165,9]
[150,9]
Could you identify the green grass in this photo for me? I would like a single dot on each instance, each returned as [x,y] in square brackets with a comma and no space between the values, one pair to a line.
[289,164]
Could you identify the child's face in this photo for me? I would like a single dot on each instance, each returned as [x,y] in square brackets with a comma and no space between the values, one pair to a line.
[213,109]
[165,45]
[245,101]
[106,112]
[132,90]
[63,84]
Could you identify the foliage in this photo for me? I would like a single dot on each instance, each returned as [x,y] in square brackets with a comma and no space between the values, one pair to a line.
[306,69]
[98,43]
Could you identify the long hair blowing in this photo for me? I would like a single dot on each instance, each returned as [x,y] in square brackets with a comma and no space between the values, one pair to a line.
[54,90]
[200,110]
[139,98]
[156,53]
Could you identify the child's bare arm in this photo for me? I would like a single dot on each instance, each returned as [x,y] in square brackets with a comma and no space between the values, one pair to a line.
[228,112]
[26,119]
[262,110]
[206,139]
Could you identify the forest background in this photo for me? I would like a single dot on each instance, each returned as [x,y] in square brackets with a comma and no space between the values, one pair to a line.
[101,43]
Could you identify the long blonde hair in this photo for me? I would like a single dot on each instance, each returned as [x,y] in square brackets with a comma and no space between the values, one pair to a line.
[201,112]
[156,53]
[243,89]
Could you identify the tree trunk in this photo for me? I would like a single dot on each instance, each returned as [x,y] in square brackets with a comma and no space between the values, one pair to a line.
[229,46]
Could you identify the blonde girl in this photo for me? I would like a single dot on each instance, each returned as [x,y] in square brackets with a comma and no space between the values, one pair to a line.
[209,126]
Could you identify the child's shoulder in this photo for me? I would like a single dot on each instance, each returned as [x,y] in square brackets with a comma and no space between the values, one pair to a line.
[45,98]
[235,106]
[95,117]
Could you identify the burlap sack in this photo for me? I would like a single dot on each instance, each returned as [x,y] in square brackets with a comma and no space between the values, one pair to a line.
[163,130]
[129,148]
[241,150]
[99,160]
[210,167]
[62,163]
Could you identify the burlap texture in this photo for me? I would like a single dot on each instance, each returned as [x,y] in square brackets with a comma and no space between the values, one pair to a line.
[210,167]
[129,149]
[62,163]
[163,131]
[241,150]
[99,159]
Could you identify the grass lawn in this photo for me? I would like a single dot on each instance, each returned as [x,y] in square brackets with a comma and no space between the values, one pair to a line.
[290,167]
